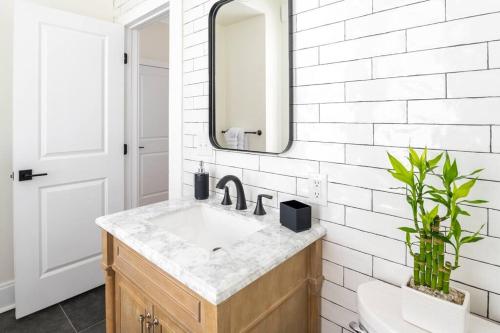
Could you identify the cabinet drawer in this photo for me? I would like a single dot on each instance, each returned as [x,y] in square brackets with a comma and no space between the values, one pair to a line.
[159,286]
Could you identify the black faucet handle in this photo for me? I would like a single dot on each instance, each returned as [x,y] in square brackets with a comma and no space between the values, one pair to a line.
[259,208]
[226,201]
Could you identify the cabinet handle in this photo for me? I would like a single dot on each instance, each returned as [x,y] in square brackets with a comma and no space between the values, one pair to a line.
[141,320]
[156,322]
[148,323]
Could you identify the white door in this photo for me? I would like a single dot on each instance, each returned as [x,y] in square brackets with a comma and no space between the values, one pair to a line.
[68,123]
[153,134]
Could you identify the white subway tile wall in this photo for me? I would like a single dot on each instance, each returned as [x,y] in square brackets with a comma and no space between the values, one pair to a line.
[373,76]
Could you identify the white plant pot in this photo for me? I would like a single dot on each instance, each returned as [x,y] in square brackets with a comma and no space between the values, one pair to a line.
[433,314]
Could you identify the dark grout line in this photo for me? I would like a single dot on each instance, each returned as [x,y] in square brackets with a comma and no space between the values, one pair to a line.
[69,320]
[91,326]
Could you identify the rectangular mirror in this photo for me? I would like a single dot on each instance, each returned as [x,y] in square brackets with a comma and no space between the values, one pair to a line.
[250,75]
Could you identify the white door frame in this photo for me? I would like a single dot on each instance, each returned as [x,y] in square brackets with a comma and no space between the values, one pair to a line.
[133,20]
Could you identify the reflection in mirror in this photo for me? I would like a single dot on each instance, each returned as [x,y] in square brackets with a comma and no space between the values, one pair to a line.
[250,75]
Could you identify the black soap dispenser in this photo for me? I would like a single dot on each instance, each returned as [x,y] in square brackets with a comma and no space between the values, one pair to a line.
[201,180]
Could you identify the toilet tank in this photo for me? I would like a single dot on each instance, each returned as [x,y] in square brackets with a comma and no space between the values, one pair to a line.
[379,308]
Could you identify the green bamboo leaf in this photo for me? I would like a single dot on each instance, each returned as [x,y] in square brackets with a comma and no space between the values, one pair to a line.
[426,222]
[470,239]
[423,160]
[397,165]
[474,202]
[401,177]
[408,243]
[463,190]
[446,167]
[438,199]
[456,229]
[434,162]
[433,213]
[436,190]
[410,200]
[441,237]
[414,158]
[408,230]
[453,174]
[475,172]
[476,233]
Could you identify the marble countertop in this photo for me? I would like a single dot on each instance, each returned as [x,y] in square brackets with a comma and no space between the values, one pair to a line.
[215,276]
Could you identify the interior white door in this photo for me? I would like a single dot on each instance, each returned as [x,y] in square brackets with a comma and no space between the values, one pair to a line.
[153,134]
[68,123]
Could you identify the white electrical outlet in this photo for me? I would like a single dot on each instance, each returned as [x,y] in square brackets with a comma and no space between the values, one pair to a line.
[205,149]
[318,189]
[204,146]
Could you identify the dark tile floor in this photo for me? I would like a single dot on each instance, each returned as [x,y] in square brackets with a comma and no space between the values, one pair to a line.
[83,313]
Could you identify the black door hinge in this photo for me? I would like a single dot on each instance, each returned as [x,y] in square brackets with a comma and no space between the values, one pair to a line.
[125,149]
[125,58]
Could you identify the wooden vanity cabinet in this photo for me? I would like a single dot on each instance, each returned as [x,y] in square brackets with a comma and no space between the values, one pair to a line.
[164,323]
[141,298]
[131,307]
[134,312]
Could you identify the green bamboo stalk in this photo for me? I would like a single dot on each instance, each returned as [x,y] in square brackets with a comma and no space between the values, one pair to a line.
[434,277]
[446,278]
[435,249]
[434,281]
[440,277]
[416,269]
[440,264]
[428,262]
[421,259]
[435,265]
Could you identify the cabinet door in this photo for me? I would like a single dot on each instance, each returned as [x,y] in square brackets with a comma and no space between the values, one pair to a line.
[131,308]
[164,323]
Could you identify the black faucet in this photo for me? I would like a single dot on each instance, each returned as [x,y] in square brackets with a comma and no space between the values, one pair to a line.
[241,202]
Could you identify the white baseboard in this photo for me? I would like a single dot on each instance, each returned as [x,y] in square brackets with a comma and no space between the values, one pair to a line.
[7,301]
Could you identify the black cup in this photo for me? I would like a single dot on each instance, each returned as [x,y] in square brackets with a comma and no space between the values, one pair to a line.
[295,215]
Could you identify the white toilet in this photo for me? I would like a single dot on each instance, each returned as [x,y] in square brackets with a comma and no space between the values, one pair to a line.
[379,307]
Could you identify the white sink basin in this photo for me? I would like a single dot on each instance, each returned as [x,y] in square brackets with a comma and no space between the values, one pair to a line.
[208,227]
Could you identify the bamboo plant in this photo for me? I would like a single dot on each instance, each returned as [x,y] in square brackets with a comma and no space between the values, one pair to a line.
[429,230]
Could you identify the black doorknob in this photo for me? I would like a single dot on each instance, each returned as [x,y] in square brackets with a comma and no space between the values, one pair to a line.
[28,175]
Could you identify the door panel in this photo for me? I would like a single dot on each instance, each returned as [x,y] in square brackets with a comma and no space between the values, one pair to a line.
[69,210]
[153,125]
[68,123]
[76,81]
[154,102]
[154,178]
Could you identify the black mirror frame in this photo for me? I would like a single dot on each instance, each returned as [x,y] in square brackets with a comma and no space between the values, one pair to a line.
[211,73]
